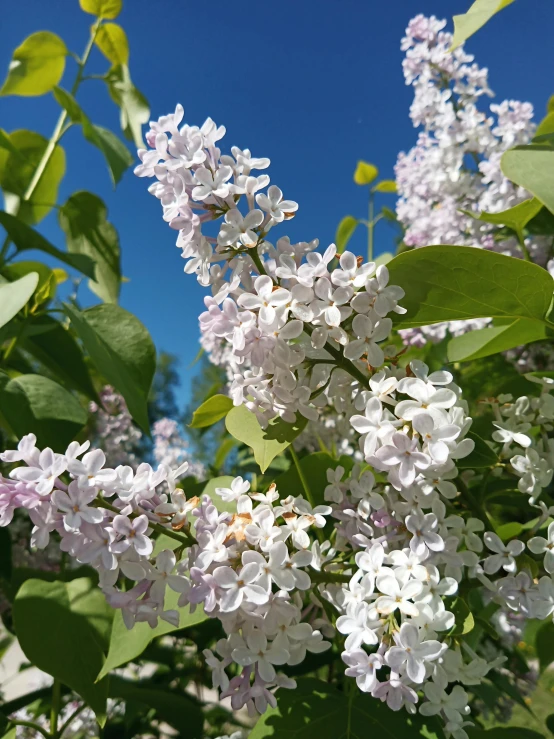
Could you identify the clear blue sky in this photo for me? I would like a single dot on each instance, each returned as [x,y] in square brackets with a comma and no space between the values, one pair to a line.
[314,85]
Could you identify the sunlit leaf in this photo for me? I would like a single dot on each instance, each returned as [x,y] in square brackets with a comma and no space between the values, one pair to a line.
[479,13]
[36,66]
[112,42]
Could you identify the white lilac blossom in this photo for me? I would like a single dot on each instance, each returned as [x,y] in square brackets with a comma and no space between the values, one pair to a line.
[453,172]
[114,428]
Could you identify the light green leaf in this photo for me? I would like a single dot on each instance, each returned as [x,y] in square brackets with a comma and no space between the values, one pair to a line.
[225,448]
[365,173]
[486,341]
[134,108]
[317,709]
[6,143]
[464,618]
[128,644]
[385,186]
[479,13]
[345,231]
[15,295]
[265,443]
[449,283]
[175,708]
[384,258]
[545,129]
[16,173]
[25,237]
[57,350]
[504,732]
[314,468]
[211,411]
[37,65]
[480,458]
[83,218]
[109,9]
[532,167]
[122,350]
[111,39]
[515,218]
[33,403]
[74,620]
[46,288]
[117,156]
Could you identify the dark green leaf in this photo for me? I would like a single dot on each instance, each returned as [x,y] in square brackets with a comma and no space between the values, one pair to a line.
[15,295]
[122,350]
[68,645]
[37,65]
[482,456]
[448,283]
[504,732]
[314,468]
[83,218]
[544,645]
[25,237]
[57,350]
[316,709]
[225,448]
[5,554]
[345,231]
[134,108]
[33,403]
[265,443]
[16,175]
[211,411]
[176,708]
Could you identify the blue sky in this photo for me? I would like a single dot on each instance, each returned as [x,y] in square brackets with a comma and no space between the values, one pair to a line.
[315,86]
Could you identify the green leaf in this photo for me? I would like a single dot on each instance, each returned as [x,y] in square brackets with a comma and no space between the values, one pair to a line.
[83,218]
[175,708]
[134,108]
[57,350]
[464,618]
[317,709]
[109,9]
[37,65]
[117,156]
[112,42]
[225,448]
[46,288]
[515,218]
[207,487]
[544,645]
[265,443]
[33,403]
[385,186]
[211,411]
[384,258]
[482,456]
[25,237]
[532,167]
[74,620]
[122,350]
[5,555]
[345,231]
[128,644]
[6,143]
[365,173]
[314,467]
[486,341]
[15,295]
[449,283]
[16,175]
[479,13]
[504,732]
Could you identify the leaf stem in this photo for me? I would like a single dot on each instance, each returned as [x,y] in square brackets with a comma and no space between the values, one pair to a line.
[370,227]
[55,709]
[253,252]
